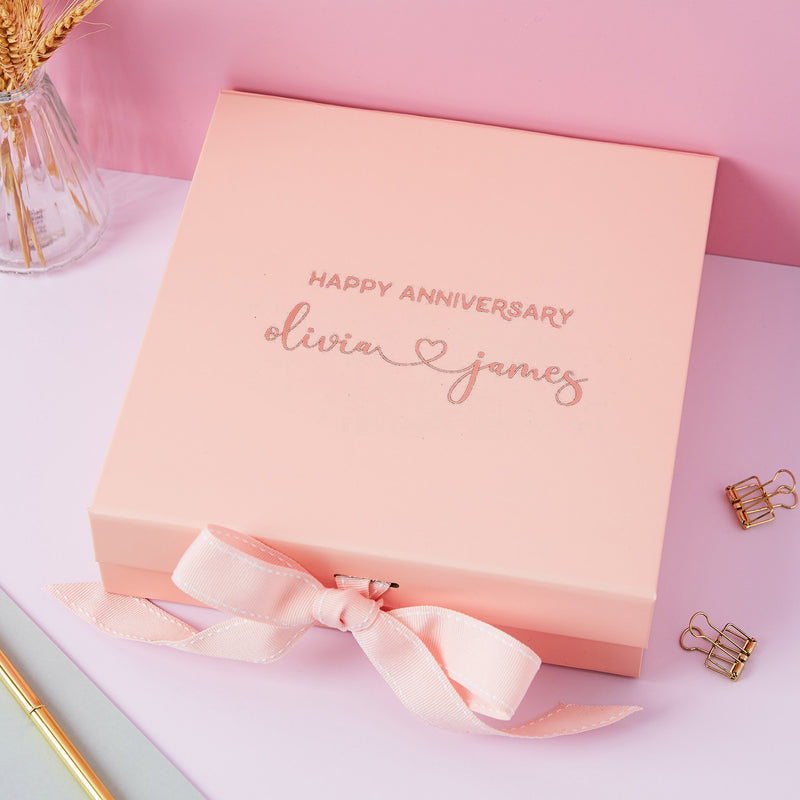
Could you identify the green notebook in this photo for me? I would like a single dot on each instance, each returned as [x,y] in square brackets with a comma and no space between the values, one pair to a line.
[124,759]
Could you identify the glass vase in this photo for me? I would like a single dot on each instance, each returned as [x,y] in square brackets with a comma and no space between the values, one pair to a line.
[54,204]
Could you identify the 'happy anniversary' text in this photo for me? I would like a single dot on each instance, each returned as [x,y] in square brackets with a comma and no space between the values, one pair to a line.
[498,307]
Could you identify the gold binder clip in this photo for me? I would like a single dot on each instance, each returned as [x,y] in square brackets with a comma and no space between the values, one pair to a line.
[754,501]
[728,652]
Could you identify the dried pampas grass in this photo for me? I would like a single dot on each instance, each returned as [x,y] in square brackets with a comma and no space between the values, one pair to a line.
[31,31]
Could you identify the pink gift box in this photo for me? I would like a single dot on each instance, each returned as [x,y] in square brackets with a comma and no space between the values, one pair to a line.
[446,355]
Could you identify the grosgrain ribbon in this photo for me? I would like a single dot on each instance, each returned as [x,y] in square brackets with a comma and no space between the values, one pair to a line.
[443,665]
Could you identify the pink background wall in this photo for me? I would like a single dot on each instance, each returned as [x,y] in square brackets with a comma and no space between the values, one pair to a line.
[712,76]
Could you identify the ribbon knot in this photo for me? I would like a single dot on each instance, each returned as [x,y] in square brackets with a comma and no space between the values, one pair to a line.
[346,609]
[444,666]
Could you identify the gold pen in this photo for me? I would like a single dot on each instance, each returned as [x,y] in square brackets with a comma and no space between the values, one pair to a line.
[51,731]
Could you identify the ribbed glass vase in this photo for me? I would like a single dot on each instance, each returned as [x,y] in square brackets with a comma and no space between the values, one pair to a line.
[54,203]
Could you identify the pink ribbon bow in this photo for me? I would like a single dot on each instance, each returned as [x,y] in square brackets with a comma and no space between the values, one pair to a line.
[443,665]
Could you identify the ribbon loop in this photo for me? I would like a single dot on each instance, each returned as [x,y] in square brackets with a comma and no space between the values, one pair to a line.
[443,665]
[245,577]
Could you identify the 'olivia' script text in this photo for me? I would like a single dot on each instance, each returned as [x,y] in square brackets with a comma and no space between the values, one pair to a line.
[429,353]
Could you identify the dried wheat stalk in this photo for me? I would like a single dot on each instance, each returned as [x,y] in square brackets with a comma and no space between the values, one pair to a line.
[30,32]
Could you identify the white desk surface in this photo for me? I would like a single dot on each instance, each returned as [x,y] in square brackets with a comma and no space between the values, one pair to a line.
[321,720]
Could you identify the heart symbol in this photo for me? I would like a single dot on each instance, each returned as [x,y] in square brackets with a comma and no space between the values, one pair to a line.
[435,348]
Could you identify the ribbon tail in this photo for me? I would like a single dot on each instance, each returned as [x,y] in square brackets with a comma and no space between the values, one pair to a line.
[567,718]
[140,620]
[422,685]
[119,615]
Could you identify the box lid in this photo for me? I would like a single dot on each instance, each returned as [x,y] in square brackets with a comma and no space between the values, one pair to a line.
[449,354]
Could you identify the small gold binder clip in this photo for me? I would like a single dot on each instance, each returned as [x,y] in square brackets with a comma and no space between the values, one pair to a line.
[727,653]
[754,502]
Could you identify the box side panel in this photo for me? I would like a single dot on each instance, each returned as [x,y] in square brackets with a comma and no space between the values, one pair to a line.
[570,651]
[499,599]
